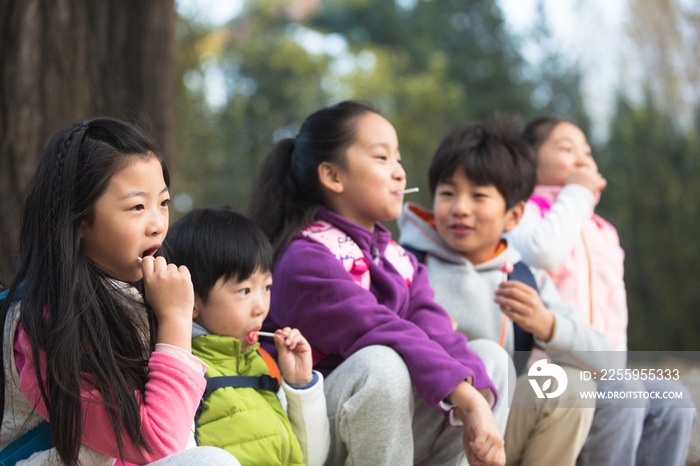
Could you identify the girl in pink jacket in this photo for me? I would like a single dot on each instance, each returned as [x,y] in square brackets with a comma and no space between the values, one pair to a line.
[112,373]
[560,233]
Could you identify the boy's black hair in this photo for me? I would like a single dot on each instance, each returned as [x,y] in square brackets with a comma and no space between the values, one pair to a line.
[489,157]
[217,242]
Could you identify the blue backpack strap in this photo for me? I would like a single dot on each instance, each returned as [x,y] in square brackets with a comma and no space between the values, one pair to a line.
[420,255]
[37,439]
[18,293]
[524,341]
[263,382]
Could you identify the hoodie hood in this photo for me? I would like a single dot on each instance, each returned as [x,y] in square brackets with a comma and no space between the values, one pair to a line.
[417,231]
[466,291]
[548,193]
[198,330]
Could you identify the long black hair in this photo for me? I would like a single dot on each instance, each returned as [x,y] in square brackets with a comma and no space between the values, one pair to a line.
[287,193]
[76,313]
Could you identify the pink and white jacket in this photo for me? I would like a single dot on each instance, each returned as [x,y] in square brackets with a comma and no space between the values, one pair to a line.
[174,387]
[560,233]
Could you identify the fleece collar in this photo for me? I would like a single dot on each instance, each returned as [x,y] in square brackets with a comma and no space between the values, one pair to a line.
[549,193]
[364,238]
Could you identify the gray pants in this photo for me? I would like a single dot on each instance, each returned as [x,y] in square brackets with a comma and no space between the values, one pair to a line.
[658,433]
[204,456]
[377,418]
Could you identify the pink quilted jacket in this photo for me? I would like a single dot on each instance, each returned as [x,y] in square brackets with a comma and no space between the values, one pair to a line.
[591,277]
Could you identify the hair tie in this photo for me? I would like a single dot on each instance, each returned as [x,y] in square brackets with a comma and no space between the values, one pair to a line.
[84,126]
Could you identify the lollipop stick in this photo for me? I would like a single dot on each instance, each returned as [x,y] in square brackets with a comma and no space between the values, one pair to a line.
[408,191]
[266,334]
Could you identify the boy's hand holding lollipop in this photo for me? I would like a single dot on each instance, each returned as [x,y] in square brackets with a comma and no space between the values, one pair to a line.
[294,357]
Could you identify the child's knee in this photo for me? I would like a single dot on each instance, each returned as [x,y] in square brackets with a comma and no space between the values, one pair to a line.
[377,370]
[497,361]
[386,373]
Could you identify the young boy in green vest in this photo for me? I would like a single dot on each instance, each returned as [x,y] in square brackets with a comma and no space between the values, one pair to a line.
[244,410]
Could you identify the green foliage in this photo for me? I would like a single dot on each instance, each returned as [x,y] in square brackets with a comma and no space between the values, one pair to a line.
[653,199]
[426,68]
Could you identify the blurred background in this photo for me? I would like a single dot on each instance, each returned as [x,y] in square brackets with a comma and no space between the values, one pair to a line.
[218,82]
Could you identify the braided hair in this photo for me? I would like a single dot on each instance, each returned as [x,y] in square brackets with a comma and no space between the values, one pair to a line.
[77,314]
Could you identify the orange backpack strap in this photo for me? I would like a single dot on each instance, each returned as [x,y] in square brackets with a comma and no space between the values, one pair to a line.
[271,365]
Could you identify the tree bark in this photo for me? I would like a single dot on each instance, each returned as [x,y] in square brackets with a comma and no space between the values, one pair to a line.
[67,60]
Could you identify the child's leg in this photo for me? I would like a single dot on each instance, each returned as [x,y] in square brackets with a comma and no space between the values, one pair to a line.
[370,403]
[499,367]
[434,438]
[552,432]
[655,432]
[617,427]
[667,426]
[199,456]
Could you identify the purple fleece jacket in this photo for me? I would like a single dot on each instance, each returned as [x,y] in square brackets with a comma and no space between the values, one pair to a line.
[313,292]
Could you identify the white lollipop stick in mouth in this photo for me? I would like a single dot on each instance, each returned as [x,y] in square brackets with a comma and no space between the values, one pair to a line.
[266,334]
[408,191]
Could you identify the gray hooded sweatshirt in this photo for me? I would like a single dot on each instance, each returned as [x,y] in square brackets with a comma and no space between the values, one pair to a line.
[467,293]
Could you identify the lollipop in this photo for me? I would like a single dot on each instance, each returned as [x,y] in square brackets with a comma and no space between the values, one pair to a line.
[506,267]
[251,338]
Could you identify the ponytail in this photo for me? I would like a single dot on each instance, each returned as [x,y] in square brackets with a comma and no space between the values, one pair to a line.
[286,195]
[278,206]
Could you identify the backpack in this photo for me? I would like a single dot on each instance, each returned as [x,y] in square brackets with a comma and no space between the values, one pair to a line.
[524,341]
[350,255]
[344,248]
[37,439]
[269,382]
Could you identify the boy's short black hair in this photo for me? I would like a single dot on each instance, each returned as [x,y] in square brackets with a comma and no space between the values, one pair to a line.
[217,242]
[495,157]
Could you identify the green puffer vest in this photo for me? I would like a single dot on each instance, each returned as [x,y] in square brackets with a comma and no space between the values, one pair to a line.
[247,422]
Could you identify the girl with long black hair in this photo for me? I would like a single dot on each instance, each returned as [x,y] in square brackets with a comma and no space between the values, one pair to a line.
[111,372]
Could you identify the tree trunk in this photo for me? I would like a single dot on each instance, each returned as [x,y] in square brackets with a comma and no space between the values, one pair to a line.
[67,60]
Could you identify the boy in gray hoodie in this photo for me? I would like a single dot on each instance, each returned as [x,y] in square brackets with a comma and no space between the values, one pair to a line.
[480,181]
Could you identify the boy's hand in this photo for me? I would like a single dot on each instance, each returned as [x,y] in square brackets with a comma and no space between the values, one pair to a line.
[523,305]
[294,357]
[483,442]
[588,177]
[169,292]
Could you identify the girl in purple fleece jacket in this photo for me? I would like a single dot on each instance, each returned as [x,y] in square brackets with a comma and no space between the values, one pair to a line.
[381,341]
